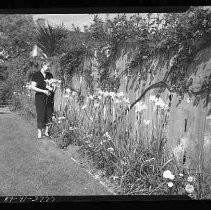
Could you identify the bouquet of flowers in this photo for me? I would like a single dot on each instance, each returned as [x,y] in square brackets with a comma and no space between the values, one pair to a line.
[52,84]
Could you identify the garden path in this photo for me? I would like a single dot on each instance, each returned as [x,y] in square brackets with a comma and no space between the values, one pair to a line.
[29,166]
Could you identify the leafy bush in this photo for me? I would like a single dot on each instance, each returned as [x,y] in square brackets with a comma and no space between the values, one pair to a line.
[5,92]
[51,38]
[23,102]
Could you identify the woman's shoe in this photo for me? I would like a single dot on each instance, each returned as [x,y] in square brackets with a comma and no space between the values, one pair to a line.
[39,135]
[46,135]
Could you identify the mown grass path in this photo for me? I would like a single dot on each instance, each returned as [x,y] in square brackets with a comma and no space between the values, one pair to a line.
[29,166]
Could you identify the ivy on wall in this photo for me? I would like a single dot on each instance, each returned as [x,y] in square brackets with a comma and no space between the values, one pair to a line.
[176,36]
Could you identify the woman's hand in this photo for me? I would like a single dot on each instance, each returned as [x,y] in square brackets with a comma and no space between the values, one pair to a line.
[46,92]
[49,88]
[33,87]
[54,88]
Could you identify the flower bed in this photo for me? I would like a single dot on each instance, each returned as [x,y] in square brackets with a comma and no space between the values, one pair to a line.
[112,149]
[123,159]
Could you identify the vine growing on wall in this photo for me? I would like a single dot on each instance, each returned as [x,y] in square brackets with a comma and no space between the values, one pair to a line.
[71,62]
[108,37]
[190,34]
[177,36]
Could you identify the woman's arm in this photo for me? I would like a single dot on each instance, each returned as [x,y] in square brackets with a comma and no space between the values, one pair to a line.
[33,87]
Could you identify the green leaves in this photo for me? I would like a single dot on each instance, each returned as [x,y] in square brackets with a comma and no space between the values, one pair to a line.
[17,34]
[72,60]
[50,38]
[16,41]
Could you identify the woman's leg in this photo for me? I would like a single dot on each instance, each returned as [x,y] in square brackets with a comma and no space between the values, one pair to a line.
[40,104]
[49,113]
[39,133]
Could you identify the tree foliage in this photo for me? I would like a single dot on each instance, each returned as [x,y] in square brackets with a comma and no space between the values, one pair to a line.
[77,48]
[51,39]
[17,37]
[17,34]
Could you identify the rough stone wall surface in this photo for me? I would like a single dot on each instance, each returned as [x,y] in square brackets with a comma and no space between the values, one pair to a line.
[58,100]
[188,129]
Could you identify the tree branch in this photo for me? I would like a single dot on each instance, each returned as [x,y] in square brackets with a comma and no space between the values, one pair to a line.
[201,91]
[156,85]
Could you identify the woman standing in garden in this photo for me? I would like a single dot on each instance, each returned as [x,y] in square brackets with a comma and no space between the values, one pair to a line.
[44,98]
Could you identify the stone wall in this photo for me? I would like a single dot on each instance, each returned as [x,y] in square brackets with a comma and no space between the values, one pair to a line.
[189,126]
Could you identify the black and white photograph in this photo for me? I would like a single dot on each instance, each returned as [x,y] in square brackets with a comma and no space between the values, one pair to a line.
[105,104]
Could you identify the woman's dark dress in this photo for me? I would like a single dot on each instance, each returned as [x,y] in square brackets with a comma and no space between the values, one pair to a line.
[44,104]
